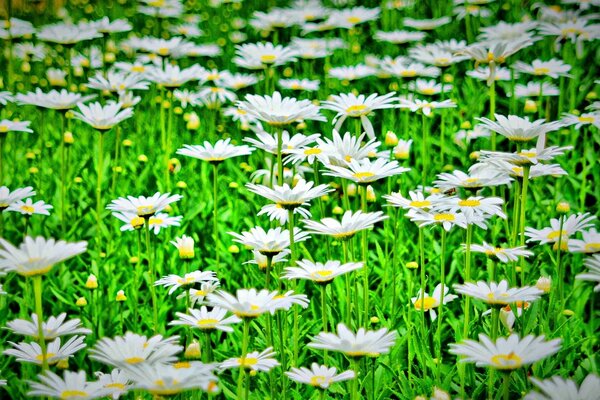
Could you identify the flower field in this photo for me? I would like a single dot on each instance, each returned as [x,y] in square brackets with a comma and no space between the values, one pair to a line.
[300,199]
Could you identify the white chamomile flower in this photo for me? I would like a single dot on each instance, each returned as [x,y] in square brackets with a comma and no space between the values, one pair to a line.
[28,207]
[165,380]
[554,233]
[271,242]
[365,171]
[498,293]
[425,106]
[321,273]
[553,68]
[319,376]
[426,303]
[350,224]
[32,352]
[220,151]
[589,244]
[205,320]
[593,272]
[504,254]
[278,111]
[174,282]
[143,206]
[102,117]
[255,361]
[519,129]
[52,328]
[306,85]
[291,197]
[14,126]
[360,344]
[73,385]
[559,388]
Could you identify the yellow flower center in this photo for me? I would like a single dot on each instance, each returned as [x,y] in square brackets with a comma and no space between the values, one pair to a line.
[492,252]
[357,108]
[541,71]
[441,60]
[145,210]
[556,234]
[295,86]
[322,274]
[507,361]
[182,365]
[354,20]
[207,322]
[490,56]
[70,394]
[313,151]
[162,391]
[493,299]
[318,380]
[3,128]
[592,247]
[420,203]
[587,120]
[115,385]
[248,361]
[186,280]
[163,51]
[28,209]
[134,360]
[569,31]
[40,357]
[428,91]
[444,217]
[469,203]
[363,175]
[409,73]
[268,58]
[528,154]
[425,304]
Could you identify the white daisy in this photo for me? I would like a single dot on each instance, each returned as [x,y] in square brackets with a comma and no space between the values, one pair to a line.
[498,293]
[52,328]
[278,111]
[54,99]
[360,344]
[590,242]
[28,207]
[291,197]
[593,272]
[32,352]
[350,224]
[364,171]
[73,385]
[164,380]
[14,126]
[143,206]
[207,320]
[552,68]
[559,388]
[270,242]
[319,272]
[425,302]
[174,282]
[425,106]
[319,376]
[255,361]
[220,151]
[503,254]
[102,117]
[552,234]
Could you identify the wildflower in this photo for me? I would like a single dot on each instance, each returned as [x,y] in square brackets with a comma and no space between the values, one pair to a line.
[206,320]
[102,117]
[143,206]
[498,294]
[360,344]
[505,255]
[278,111]
[220,151]
[319,376]
[593,273]
[350,224]
[321,273]
[425,302]
[364,171]
[255,361]
[162,380]
[558,388]
[174,282]
[52,328]
[70,385]
[28,207]
[271,242]
[32,352]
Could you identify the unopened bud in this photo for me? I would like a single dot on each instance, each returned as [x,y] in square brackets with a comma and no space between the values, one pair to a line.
[337,210]
[391,139]
[92,282]
[544,283]
[412,265]
[121,296]
[193,350]
[530,107]
[233,249]
[563,207]
[81,302]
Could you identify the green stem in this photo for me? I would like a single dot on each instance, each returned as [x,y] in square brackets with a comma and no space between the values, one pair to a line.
[152,277]
[324,315]
[279,156]
[365,244]
[441,306]
[347,276]
[37,292]
[559,266]
[355,394]
[493,112]
[99,191]
[63,169]
[467,279]
[525,186]
[424,157]
[506,386]
[215,213]
[243,358]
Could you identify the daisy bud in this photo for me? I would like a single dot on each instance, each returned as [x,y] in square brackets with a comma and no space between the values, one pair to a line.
[68,138]
[351,190]
[185,246]
[118,169]
[133,260]
[252,372]
[439,394]
[137,223]
[78,71]
[193,124]
[394,87]
[127,143]
[563,207]
[143,158]
[63,364]
[448,78]
[474,155]
[374,320]
[174,165]
[78,179]
[181,185]
[391,139]
[544,284]
[371,194]
[233,249]
[233,185]
[325,197]
[166,104]
[337,210]
[121,296]
[420,398]
[30,155]
[530,107]
[412,265]
[591,96]
[301,125]
[81,302]
[193,350]
[33,170]
[564,244]
[26,67]
[568,313]
[92,282]
[466,125]
[178,110]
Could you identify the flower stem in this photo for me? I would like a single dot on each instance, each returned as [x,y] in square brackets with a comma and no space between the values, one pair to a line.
[324,315]
[279,156]
[363,201]
[424,158]
[243,358]
[99,191]
[467,279]
[522,217]
[347,276]
[494,336]
[506,386]
[493,112]
[441,306]
[152,277]
[37,292]
[215,214]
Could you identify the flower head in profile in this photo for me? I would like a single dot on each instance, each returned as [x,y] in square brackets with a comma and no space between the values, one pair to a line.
[505,353]
[8,197]
[365,171]
[63,100]
[185,247]
[37,256]
[14,126]
[100,117]
[291,197]
[67,34]
[143,206]
[345,229]
[205,320]
[319,376]
[504,254]
[559,388]
[353,106]
[263,55]
[220,151]
[417,200]
[340,150]
[32,352]
[118,82]
[28,207]
[271,242]
[174,282]
[555,233]
[52,328]
[519,129]
[593,272]
[279,111]
[553,68]
[425,106]
[360,344]
[498,294]
[251,303]
[70,385]
[164,380]
[255,361]
[426,303]
[321,273]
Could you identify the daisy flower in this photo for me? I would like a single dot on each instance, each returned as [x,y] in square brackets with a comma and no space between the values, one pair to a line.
[207,320]
[446,219]
[132,349]
[117,382]
[271,242]
[164,380]
[281,214]
[345,229]
[268,142]
[473,181]
[237,81]
[590,243]
[117,82]
[503,254]
[28,207]
[408,69]
[32,352]
[185,247]
[553,68]
[220,151]
[106,26]
[250,303]
[498,294]
[214,97]
[425,302]
[14,126]
[351,73]
[52,328]
[172,76]
[425,106]
[536,89]
[67,34]
[63,100]
[428,87]
[37,256]
[199,295]
[559,388]
[583,119]
[318,272]
[484,74]
[263,55]
[506,353]
[360,344]
[340,150]
[417,200]
[261,260]
[174,282]
[554,233]
[351,105]
[319,376]
[255,361]
[306,85]
[364,172]
[143,206]
[278,111]
[426,24]
[473,207]
[291,197]
[593,273]
[435,55]
[100,117]
[399,36]
[307,154]
[73,385]
[519,129]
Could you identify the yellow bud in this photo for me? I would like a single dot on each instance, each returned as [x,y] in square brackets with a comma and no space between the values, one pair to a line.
[121,296]
[448,78]
[233,249]
[193,350]
[127,143]
[391,139]
[109,58]
[530,107]
[181,185]
[92,282]
[193,124]
[544,284]
[518,268]
[233,185]
[81,302]
[134,259]
[142,158]
[325,197]
[174,165]
[371,194]
[288,72]
[568,313]
[412,265]
[178,110]
[30,155]
[351,190]
[252,372]
[78,179]
[33,170]
[394,87]
[591,95]
[563,207]
[26,67]
[474,155]
[337,210]
[466,125]
[68,138]
[63,364]
[301,125]
[166,104]
[374,320]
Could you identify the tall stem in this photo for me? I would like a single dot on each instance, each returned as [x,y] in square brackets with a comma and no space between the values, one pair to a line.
[63,178]
[152,277]
[347,277]
[215,213]
[506,386]
[279,156]
[324,315]
[37,292]
[493,112]
[424,158]
[441,306]
[363,201]
[522,217]
[99,190]
[559,266]
[467,310]
[243,358]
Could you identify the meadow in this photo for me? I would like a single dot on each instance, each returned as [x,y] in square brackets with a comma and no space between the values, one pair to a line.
[299,199]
